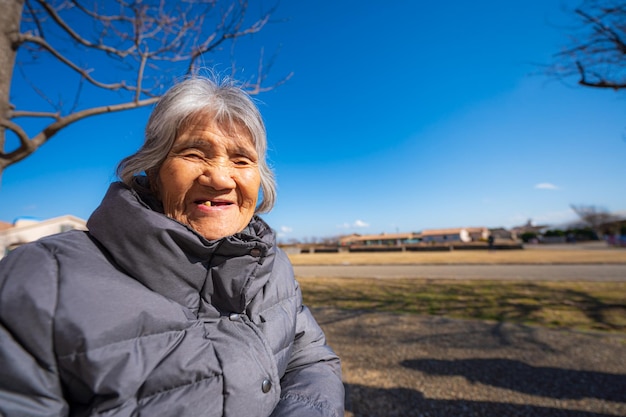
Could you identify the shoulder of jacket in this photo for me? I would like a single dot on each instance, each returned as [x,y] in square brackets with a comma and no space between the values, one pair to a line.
[39,259]
[71,238]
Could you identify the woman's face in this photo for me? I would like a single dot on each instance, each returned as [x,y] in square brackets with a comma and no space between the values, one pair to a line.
[210,179]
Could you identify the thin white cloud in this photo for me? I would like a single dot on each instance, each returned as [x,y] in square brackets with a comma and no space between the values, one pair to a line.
[358,224]
[286,229]
[546,186]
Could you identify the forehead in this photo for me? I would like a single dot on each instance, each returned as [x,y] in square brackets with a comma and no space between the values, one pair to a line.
[205,128]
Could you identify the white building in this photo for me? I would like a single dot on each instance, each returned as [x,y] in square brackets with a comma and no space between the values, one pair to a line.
[462,234]
[26,230]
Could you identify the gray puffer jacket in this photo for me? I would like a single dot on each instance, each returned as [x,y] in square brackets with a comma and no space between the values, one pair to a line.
[141,316]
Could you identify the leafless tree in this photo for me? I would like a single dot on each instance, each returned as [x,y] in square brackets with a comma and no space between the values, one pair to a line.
[129,49]
[593,216]
[596,54]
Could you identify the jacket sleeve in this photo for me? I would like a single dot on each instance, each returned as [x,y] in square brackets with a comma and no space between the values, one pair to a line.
[312,385]
[29,383]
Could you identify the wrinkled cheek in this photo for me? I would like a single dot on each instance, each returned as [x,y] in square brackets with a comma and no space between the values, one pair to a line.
[173,205]
[253,191]
[172,188]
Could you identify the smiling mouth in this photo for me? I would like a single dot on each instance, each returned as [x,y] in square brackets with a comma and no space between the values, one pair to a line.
[213,203]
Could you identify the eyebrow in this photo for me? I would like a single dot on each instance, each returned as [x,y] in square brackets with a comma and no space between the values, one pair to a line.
[248,150]
[189,142]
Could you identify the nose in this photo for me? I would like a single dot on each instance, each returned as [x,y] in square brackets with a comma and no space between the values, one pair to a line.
[218,176]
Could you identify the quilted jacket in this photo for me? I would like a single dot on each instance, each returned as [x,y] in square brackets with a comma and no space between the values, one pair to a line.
[141,316]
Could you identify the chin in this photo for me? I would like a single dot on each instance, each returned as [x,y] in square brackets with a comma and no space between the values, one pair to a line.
[217,234]
[218,230]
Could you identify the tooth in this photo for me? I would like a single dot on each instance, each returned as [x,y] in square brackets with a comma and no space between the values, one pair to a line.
[207,203]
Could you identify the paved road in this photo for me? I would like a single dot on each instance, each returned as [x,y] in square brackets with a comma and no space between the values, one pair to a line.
[600,272]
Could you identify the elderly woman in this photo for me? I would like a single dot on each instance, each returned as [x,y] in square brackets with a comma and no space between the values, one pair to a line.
[177,302]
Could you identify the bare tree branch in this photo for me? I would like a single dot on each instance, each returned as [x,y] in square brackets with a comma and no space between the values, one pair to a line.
[26,113]
[597,54]
[151,41]
[68,29]
[82,72]
[40,92]
[601,83]
[256,87]
[594,216]
[29,145]
[25,143]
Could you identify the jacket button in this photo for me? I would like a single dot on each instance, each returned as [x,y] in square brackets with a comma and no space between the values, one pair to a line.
[266,386]
[234,316]
[256,252]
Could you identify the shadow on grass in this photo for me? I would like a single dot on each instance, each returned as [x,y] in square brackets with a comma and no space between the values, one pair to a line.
[401,402]
[485,336]
[490,356]
[565,305]
[517,376]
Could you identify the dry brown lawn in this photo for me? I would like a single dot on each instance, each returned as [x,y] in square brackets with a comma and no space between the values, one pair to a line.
[605,255]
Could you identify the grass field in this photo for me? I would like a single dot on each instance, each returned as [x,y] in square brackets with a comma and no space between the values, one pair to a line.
[524,256]
[575,305]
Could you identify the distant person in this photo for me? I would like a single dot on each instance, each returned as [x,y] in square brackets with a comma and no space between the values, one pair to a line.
[177,301]
[490,242]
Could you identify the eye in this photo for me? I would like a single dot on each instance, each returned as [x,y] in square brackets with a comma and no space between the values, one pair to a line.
[242,161]
[190,153]
[243,158]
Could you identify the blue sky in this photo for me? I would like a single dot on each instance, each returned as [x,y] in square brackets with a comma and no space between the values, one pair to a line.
[400,116]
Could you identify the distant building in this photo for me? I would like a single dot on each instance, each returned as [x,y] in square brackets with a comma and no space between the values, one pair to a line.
[26,230]
[528,228]
[467,234]
[461,234]
[382,239]
[503,234]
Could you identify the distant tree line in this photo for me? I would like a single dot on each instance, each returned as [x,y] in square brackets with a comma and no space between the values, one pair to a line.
[597,222]
[568,235]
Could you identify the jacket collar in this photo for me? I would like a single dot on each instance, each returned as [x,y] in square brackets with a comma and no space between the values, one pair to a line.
[207,276]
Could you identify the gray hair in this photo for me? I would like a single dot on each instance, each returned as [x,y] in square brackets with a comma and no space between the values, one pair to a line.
[197,96]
